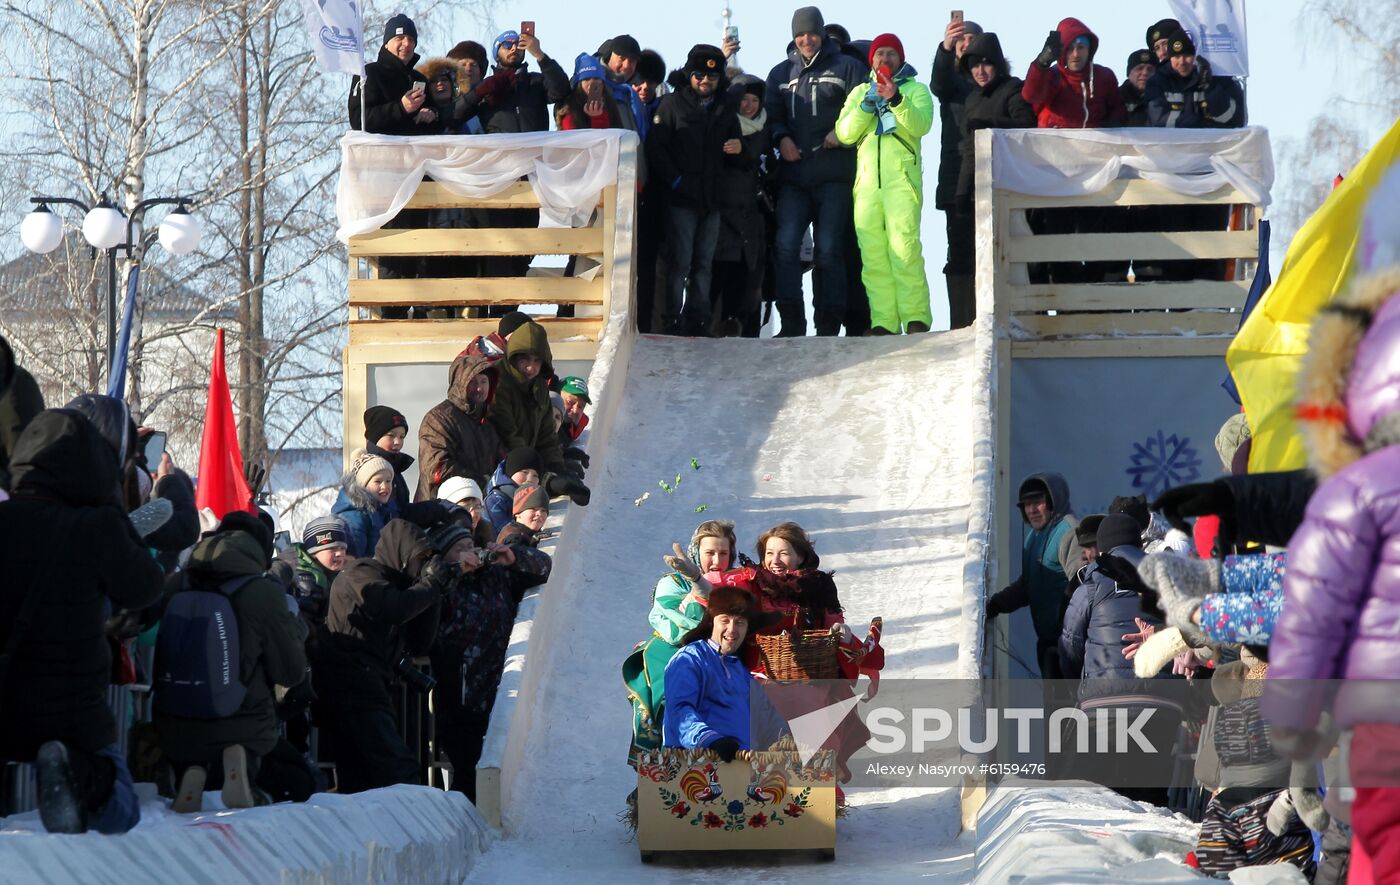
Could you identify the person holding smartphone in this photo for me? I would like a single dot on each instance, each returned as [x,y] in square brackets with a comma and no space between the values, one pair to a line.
[395,95]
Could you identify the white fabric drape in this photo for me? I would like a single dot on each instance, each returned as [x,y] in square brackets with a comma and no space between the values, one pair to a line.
[1070,162]
[568,170]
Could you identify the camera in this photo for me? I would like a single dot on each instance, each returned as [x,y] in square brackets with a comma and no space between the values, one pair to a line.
[413,677]
[486,556]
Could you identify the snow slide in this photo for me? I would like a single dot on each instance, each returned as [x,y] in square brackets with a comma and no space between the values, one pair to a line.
[869,444]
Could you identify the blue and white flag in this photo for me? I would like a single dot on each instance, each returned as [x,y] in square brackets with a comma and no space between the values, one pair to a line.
[1218,29]
[337,32]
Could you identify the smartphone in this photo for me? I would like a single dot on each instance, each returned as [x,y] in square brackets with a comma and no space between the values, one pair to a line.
[419,86]
[731,32]
[957,15]
[527,28]
[155,447]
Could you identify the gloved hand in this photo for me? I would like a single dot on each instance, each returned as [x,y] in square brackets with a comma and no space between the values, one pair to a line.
[574,453]
[1281,814]
[1181,583]
[556,486]
[255,475]
[573,469]
[871,100]
[1204,67]
[495,87]
[690,571]
[439,575]
[1307,804]
[726,747]
[1196,499]
[994,608]
[1051,52]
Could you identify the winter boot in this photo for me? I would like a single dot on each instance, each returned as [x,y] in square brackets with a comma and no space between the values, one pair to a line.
[189,797]
[238,789]
[916,328]
[60,806]
[962,300]
[828,324]
[794,316]
[877,331]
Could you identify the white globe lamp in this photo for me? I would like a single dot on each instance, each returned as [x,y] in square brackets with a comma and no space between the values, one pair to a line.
[41,230]
[179,232]
[104,226]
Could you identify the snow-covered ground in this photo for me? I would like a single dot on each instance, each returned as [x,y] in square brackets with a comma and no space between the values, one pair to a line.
[867,443]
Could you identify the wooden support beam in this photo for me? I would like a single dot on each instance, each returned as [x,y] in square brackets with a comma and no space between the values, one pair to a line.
[1156,246]
[476,291]
[1123,192]
[1125,296]
[1078,325]
[393,332]
[1121,347]
[480,241]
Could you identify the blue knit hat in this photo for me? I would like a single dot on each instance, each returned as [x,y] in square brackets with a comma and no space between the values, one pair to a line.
[502,37]
[400,24]
[586,67]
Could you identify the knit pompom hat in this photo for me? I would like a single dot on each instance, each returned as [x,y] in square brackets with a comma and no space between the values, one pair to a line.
[366,466]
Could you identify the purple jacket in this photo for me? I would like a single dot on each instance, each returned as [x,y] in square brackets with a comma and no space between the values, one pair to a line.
[1342,617]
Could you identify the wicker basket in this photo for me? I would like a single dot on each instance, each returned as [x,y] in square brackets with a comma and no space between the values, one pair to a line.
[799,654]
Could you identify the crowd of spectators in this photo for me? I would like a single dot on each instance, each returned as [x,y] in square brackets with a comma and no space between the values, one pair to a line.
[747,182]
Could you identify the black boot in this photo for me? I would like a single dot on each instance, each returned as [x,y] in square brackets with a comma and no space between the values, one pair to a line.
[828,324]
[61,806]
[794,316]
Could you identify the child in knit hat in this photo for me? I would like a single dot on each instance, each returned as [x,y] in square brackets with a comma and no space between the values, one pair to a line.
[366,500]
[467,494]
[521,466]
[385,431]
[530,508]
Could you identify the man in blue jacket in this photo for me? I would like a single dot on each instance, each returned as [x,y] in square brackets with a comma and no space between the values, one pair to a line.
[1050,554]
[712,700]
[803,98]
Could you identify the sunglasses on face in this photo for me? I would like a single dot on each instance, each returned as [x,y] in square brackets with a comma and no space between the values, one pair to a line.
[508,44]
[704,76]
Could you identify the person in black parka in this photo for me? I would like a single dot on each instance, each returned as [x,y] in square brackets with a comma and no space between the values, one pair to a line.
[381,609]
[951,85]
[20,401]
[995,102]
[391,104]
[695,138]
[53,608]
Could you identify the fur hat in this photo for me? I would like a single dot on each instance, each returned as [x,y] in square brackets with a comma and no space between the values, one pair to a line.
[323,533]
[470,49]
[379,420]
[732,601]
[457,488]
[651,67]
[1134,506]
[529,497]
[705,59]
[364,466]
[522,458]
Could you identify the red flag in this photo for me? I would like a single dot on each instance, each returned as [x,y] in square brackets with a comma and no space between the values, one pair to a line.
[221,485]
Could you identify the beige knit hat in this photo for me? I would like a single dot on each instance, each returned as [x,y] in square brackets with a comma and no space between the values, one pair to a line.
[365,466]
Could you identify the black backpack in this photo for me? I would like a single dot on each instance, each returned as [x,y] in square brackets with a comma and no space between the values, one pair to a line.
[197,652]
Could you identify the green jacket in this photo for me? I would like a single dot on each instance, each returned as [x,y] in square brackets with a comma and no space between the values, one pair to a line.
[885,156]
[674,613]
[270,647]
[520,411]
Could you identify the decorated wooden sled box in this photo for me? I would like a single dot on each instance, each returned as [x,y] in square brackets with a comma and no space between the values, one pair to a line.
[688,800]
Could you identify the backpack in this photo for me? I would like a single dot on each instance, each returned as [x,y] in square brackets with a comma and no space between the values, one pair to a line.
[197,652]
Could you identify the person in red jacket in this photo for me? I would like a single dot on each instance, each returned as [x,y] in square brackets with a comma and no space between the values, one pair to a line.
[1075,93]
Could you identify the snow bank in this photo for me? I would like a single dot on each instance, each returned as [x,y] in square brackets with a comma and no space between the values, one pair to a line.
[400,834]
[1079,832]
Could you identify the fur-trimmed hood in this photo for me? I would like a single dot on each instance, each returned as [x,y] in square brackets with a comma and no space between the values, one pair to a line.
[1349,384]
[360,497]
[433,68]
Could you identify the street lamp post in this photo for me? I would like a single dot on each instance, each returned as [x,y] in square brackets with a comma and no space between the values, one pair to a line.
[103,228]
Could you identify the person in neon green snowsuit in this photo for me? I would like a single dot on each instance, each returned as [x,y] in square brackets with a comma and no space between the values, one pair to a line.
[889,189]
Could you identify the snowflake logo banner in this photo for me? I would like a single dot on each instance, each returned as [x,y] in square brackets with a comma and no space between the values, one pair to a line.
[1163,461]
